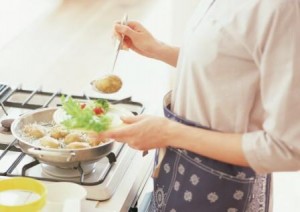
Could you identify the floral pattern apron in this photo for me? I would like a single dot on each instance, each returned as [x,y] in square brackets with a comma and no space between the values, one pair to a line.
[190,182]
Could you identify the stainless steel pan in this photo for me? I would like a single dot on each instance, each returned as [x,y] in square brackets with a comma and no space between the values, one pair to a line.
[64,158]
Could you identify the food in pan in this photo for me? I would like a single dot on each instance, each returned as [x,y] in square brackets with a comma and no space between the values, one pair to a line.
[34,130]
[61,139]
[73,137]
[58,132]
[49,142]
[93,141]
[73,124]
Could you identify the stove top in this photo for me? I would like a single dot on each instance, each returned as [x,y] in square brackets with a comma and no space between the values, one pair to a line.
[101,180]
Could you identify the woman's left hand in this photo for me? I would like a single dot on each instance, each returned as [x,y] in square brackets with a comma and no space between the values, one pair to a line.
[141,132]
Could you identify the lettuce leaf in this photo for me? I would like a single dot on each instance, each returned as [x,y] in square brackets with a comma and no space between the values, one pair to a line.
[85,118]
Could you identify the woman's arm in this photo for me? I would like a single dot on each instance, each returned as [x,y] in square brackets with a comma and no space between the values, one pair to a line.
[148,132]
[276,147]
[166,53]
[225,147]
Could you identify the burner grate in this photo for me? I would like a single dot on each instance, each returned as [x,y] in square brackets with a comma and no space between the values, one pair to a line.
[3,89]
[34,99]
[26,168]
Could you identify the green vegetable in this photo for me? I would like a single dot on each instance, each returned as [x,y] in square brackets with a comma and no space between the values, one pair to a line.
[85,118]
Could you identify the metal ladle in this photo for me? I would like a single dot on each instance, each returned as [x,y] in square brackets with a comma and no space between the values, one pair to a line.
[111,83]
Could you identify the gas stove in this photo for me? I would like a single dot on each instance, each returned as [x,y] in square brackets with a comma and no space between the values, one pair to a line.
[103,178]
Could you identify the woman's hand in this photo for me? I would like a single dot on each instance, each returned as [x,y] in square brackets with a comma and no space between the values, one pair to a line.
[140,40]
[142,132]
[137,38]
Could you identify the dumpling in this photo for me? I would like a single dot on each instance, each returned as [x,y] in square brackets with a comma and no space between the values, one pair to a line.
[73,137]
[34,130]
[77,145]
[58,132]
[94,141]
[50,142]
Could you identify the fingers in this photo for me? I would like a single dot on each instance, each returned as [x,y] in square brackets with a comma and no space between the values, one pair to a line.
[128,36]
[136,26]
[125,30]
[121,133]
[103,136]
[130,29]
[106,135]
[117,35]
[131,119]
[132,33]
[126,43]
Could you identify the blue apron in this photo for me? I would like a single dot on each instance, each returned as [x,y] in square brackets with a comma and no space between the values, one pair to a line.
[190,182]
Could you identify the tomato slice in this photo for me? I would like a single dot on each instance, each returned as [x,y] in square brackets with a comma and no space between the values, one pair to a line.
[98,110]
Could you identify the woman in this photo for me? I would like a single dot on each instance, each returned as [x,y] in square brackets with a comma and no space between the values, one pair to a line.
[233,114]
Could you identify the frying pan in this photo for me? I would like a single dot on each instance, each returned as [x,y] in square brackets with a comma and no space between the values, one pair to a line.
[63,158]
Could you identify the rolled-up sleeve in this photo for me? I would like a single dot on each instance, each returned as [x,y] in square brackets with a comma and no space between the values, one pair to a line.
[277,146]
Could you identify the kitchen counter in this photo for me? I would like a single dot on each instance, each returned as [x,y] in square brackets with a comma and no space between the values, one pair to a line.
[128,187]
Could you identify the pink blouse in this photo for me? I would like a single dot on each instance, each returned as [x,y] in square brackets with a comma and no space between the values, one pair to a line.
[239,71]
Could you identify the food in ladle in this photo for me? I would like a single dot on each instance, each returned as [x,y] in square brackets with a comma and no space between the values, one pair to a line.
[108,84]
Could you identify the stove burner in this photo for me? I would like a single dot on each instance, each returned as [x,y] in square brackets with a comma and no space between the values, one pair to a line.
[4,131]
[6,124]
[67,173]
[5,128]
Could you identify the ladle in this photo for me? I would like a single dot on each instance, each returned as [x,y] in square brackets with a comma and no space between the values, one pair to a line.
[111,83]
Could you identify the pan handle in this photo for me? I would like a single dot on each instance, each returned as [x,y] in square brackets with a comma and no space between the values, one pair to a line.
[41,153]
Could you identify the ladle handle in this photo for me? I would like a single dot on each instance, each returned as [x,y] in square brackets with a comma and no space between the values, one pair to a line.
[119,43]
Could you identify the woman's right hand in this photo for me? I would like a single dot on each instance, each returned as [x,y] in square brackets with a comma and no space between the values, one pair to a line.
[140,40]
[137,38]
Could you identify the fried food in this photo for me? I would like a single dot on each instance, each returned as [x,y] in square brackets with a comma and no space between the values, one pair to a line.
[49,142]
[58,132]
[73,137]
[34,130]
